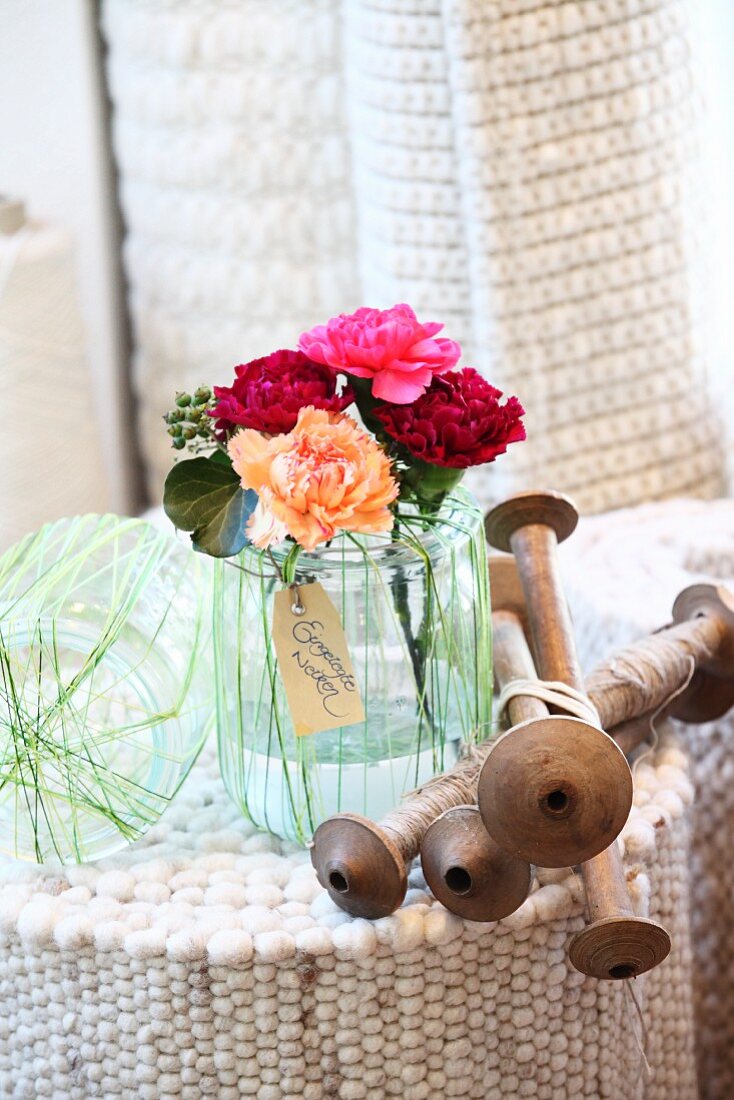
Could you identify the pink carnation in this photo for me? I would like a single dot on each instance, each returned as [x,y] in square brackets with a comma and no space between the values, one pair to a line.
[389,346]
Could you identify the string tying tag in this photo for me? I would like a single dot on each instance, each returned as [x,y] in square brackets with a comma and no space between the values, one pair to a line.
[555,694]
[297,606]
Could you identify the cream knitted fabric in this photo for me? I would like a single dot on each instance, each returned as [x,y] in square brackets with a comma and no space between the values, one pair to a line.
[622,573]
[234,182]
[207,961]
[522,170]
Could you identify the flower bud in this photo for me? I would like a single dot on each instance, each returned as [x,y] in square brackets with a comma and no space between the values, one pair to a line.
[189,432]
[202,395]
[183,399]
[174,416]
[179,444]
[196,414]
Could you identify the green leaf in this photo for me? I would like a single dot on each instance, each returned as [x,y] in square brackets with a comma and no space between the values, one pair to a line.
[205,497]
[220,458]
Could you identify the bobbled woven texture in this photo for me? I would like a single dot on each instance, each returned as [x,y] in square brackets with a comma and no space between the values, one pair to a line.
[622,573]
[207,961]
[523,168]
[520,170]
[45,378]
[234,182]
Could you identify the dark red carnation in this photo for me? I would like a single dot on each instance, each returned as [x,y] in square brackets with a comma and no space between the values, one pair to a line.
[268,393]
[458,422]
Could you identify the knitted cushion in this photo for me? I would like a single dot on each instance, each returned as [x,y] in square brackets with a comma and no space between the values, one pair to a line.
[522,170]
[206,960]
[234,182]
[517,170]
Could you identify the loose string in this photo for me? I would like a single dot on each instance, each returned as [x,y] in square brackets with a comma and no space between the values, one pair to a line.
[635,1015]
[652,741]
[555,694]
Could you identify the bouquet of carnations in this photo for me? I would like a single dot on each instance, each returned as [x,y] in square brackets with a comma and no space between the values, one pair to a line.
[279,458]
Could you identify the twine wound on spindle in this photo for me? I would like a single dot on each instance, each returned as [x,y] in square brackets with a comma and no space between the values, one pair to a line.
[697,651]
[407,823]
[552,692]
[642,677]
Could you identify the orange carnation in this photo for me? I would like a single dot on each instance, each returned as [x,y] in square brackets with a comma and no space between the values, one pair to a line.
[326,475]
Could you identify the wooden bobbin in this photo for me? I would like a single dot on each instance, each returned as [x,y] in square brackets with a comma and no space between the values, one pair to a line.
[468,872]
[552,793]
[464,867]
[616,945]
[556,791]
[359,865]
[651,672]
[505,589]
[711,691]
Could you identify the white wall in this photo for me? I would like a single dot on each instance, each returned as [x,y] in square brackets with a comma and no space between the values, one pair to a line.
[52,155]
[713,51]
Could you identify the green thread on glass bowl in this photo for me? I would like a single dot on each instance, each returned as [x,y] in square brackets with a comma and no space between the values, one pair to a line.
[105,684]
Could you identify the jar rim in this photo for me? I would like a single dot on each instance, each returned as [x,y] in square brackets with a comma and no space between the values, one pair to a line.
[457,522]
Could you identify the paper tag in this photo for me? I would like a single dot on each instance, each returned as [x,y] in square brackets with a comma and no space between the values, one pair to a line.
[314,661]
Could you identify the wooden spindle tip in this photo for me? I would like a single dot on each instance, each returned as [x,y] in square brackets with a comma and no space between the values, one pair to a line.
[467,872]
[555,791]
[710,693]
[716,602]
[552,510]
[705,699]
[359,865]
[622,947]
[505,589]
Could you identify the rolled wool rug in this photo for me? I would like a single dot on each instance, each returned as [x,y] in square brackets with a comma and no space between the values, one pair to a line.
[55,469]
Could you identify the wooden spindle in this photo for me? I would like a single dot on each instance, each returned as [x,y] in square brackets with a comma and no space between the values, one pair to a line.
[616,944]
[468,871]
[555,791]
[364,865]
[645,674]
[463,865]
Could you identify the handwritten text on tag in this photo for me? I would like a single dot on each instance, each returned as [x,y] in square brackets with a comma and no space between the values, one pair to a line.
[314,661]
